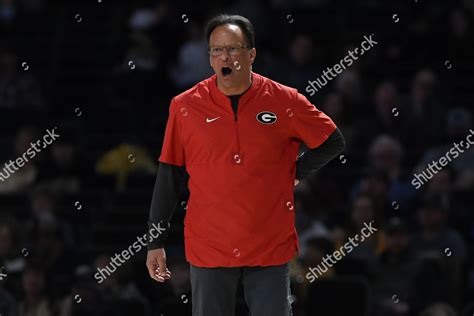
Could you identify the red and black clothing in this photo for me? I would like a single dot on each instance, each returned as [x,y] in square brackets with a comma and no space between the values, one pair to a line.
[242,162]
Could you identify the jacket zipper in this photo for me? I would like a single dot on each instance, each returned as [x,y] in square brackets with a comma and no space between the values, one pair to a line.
[236,127]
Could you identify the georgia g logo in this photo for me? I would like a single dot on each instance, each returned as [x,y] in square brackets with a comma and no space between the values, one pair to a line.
[266,117]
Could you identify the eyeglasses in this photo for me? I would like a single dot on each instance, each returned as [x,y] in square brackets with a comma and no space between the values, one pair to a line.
[233,50]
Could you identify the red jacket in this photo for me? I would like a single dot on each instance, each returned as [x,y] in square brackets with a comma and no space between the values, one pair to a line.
[241,169]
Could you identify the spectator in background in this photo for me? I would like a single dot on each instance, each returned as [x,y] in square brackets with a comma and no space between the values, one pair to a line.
[143,66]
[349,86]
[55,257]
[146,18]
[442,185]
[443,246]
[317,249]
[10,254]
[8,304]
[19,89]
[139,73]
[309,223]
[439,309]
[142,53]
[119,290]
[422,106]
[193,60]
[386,154]
[396,270]
[300,67]
[363,212]
[91,300]
[25,176]
[35,302]
[382,117]
[376,185]
[44,215]
[65,170]
[458,126]
[176,297]
[459,36]
[8,11]
[435,235]
[334,106]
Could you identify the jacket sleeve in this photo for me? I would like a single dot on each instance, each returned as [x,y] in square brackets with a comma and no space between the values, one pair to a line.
[314,159]
[308,124]
[169,183]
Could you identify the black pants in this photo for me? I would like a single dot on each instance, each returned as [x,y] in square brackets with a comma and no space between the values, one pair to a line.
[266,290]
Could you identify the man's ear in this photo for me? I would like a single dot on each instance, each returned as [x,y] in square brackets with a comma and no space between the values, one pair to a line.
[253,55]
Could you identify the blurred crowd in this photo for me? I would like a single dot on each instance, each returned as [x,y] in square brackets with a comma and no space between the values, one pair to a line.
[107,81]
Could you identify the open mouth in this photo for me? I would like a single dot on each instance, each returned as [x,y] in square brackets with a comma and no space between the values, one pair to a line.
[226,71]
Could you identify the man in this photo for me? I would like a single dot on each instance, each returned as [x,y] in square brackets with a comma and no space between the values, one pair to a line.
[237,134]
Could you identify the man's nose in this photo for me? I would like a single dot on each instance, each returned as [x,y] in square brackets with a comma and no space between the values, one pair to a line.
[225,55]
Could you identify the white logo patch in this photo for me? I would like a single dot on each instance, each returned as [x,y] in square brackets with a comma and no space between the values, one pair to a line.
[266,117]
[208,120]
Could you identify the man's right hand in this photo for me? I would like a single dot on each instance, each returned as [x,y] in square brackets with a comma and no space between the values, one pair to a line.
[156,264]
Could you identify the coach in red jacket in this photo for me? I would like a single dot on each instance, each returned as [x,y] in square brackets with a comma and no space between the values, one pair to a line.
[237,135]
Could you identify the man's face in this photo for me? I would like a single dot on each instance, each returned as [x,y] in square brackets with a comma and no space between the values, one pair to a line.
[232,68]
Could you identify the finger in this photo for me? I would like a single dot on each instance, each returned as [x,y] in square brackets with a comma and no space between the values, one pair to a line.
[162,266]
[159,278]
[151,271]
[167,274]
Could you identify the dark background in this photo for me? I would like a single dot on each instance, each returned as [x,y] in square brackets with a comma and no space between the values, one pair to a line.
[84,198]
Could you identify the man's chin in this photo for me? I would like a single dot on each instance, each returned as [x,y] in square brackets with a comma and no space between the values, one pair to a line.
[227,81]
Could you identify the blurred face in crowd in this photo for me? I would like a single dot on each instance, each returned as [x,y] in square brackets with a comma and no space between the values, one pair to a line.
[233,63]
[42,209]
[313,256]
[33,282]
[42,203]
[374,186]
[63,154]
[441,183]
[7,62]
[301,50]
[362,211]
[385,153]
[333,106]
[432,218]
[385,97]
[459,23]
[397,242]
[348,85]
[423,85]
[23,140]
[6,240]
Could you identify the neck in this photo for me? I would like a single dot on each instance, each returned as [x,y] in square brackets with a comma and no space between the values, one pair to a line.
[241,88]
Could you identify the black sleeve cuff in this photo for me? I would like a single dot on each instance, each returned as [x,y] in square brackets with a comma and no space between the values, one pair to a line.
[314,159]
